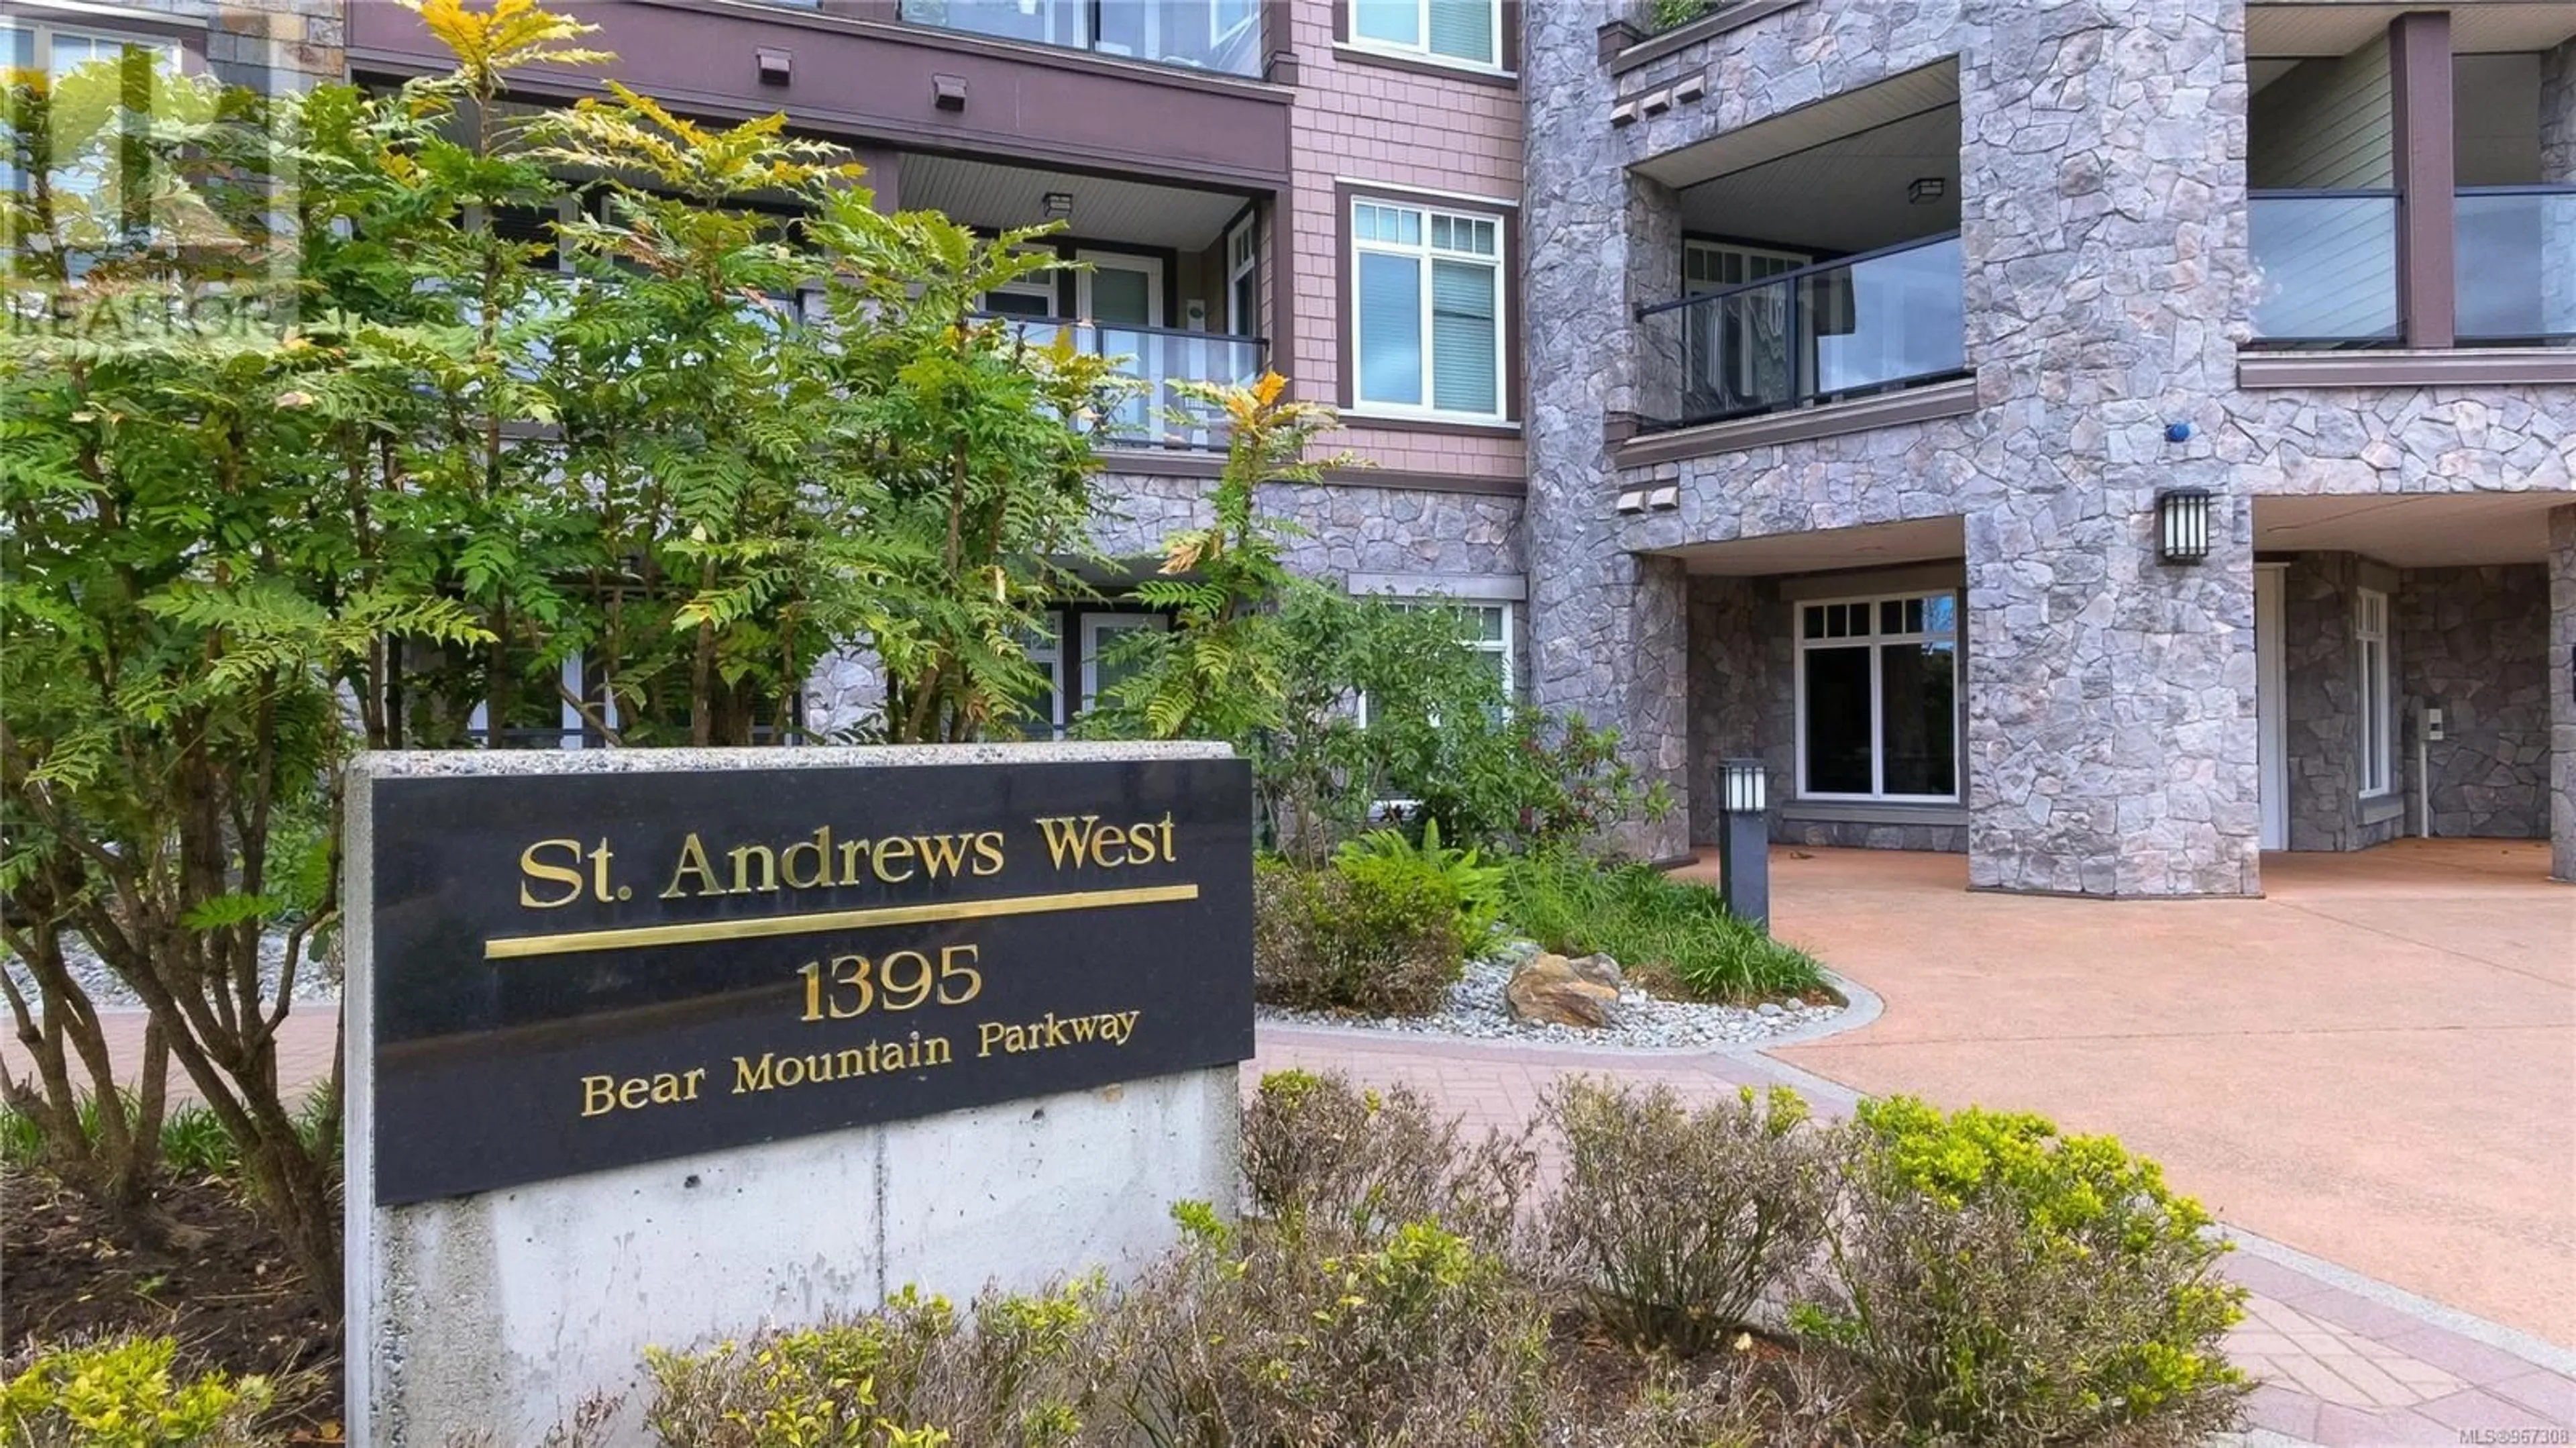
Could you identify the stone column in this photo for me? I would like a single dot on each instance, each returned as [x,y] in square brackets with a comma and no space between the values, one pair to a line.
[1608,629]
[2558,114]
[2110,696]
[2562,693]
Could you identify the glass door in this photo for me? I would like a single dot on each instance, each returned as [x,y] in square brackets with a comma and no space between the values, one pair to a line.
[1121,294]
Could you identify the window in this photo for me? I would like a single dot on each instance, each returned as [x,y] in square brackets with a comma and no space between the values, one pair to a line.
[1427,317]
[1731,344]
[1466,31]
[1100,634]
[1045,648]
[2371,689]
[1243,280]
[1878,698]
[1483,627]
[83,181]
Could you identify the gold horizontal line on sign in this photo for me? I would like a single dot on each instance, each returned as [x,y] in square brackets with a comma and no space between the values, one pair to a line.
[519,947]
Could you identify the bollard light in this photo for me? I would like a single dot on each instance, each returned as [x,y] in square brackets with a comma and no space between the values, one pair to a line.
[1745,787]
[2182,525]
[1744,841]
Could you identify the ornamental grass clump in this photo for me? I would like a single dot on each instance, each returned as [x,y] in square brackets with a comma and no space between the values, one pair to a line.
[1672,932]
[1673,1222]
[1993,1282]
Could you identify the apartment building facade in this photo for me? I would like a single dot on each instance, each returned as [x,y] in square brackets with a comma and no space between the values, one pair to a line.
[2096,438]
[1816,382]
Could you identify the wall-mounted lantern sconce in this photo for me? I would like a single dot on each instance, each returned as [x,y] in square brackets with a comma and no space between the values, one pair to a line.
[1744,841]
[1927,189]
[2182,525]
[1059,206]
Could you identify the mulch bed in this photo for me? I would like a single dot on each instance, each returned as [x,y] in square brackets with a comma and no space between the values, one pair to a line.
[222,1284]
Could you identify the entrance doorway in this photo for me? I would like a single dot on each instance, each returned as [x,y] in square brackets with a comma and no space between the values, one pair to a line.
[2271,695]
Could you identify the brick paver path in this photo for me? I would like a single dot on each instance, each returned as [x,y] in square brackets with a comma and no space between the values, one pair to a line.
[2339,1367]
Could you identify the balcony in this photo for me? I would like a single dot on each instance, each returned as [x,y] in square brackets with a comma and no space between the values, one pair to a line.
[2517,266]
[1850,328]
[2328,278]
[2326,268]
[1214,35]
[1159,357]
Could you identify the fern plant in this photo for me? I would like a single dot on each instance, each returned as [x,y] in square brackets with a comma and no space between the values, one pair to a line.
[1474,889]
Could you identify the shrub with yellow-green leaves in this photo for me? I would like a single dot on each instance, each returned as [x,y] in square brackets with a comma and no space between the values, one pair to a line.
[1994,1282]
[124,1393]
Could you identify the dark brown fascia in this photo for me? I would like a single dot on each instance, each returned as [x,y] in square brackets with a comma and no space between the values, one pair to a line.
[1193,463]
[870,79]
[2466,367]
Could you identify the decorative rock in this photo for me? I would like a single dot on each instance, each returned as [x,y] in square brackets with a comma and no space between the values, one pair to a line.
[1478,1011]
[1550,991]
[1770,1008]
[1600,970]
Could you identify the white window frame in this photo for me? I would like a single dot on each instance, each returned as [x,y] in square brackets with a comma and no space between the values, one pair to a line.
[1091,625]
[1421,49]
[1047,652]
[1242,259]
[1095,261]
[1504,647]
[1422,256]
[2374,693]
[1875,641]
[1771,262]
[174,60]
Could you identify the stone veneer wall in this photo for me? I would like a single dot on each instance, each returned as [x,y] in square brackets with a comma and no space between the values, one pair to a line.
[2110,737]
[2322,733]
[2558,114]
[2562,692]
[2474,643]
[1349,529]
[269,45]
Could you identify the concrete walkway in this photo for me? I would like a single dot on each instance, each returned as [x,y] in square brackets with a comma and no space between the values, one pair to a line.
[2375,1063]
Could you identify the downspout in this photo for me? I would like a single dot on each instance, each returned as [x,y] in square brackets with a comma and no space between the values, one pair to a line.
[2423,779]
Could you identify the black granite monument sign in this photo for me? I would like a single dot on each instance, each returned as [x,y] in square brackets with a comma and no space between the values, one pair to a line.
[586,970]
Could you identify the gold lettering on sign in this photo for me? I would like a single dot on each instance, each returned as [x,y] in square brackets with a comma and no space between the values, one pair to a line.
[821,847]
[693,861]
[1055,1032]
[774,1071]
[567,875]
[1075,842]
[601,1095]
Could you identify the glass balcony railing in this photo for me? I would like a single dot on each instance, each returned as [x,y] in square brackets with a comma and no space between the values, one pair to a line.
[2517,265]
[2326,267]
[1840,329]
[1159,357]
[1219,35]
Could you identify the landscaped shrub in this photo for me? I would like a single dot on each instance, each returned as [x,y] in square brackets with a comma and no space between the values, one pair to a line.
[814,1386]
[1473,888]
[1298,1332]
[1670,932]
[1674,1221]
[1315,1146]
[122,1393]
[1994,1282]
[1379,942]
[1519,779]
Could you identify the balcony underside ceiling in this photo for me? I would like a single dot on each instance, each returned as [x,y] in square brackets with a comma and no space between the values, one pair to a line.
[2416,532]
[1848,195]
[1879,545]
[1105,208]
[2339,27]
[1835,118]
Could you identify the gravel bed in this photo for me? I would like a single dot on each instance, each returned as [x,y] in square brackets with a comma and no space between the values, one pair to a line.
[1476,1012]
[316,981]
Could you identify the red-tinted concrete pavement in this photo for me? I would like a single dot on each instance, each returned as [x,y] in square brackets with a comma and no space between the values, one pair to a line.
[2375,1064]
